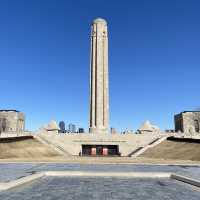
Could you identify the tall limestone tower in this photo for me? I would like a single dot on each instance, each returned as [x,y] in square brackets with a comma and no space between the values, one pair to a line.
[99,98]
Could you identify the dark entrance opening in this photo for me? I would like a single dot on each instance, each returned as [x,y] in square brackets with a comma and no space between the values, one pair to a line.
[100,150]
[196,125]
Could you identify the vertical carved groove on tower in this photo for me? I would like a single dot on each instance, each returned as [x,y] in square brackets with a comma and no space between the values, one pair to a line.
[99,98]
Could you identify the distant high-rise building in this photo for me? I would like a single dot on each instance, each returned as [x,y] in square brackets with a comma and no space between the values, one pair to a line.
[81,130]
[72,128]
[113,130]
[62,127]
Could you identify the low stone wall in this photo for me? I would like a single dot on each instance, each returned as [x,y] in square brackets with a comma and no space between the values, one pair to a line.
[188,140]
[15,139]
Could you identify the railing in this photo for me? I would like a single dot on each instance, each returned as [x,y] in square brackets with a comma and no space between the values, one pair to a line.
[14,134]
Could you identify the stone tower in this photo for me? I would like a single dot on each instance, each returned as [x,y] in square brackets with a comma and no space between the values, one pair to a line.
[99,98]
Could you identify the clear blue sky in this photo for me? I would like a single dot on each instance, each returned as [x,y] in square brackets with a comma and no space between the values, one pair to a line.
[154,59]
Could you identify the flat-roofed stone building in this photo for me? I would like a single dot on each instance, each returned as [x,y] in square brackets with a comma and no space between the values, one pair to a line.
[187,121]
[12,121]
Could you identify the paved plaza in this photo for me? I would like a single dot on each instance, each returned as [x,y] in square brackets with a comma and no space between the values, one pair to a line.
[84,188]
[12,171]
[99,188]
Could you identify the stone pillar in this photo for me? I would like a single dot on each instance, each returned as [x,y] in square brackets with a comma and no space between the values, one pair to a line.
[99,98]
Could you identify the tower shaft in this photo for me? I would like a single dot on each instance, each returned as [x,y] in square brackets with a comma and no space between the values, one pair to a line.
[99,98]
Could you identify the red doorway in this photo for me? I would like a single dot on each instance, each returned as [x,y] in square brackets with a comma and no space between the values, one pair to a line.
[100,150]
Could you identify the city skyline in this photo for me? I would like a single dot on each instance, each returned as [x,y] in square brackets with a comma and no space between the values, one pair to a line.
[153,60]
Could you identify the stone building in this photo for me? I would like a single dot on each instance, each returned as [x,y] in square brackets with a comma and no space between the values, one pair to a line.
[147,127]
[12,121]
[187,121]
[52,126]
[99,141]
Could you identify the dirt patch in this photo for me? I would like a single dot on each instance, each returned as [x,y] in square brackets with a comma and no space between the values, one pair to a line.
[25,147]
[175,149]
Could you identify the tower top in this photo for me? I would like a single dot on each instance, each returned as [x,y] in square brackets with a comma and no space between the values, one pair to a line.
[99,20]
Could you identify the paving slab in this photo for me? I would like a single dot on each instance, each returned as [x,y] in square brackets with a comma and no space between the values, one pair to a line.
[12,171]
[63,188]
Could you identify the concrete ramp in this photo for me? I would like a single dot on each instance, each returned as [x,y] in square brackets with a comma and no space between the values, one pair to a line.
[153,143]
[53,143]
[175,148]
[24,147]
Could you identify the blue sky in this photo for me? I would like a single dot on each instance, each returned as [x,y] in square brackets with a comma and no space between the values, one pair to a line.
[154,59]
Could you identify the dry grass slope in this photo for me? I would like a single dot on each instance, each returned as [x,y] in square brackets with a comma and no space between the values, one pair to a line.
[174,150]
[25,148]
